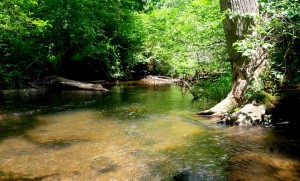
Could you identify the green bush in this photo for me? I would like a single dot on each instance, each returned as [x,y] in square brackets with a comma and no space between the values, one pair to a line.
[213,88]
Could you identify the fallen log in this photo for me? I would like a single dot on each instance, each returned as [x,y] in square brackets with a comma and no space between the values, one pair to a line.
[159,80]
[78,84]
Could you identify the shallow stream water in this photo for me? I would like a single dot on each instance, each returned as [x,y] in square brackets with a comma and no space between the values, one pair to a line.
[134,132]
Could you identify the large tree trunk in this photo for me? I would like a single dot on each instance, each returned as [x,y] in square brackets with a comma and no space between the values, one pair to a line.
[244,68]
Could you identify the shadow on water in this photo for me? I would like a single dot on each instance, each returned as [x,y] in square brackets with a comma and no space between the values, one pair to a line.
[18,111]
[270,153]
[286,117]
[16,126]
[253,156]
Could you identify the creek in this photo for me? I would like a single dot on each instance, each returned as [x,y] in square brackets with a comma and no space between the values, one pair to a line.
[135,132]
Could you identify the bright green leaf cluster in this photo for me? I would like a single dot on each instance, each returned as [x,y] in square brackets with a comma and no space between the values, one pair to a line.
[182,34]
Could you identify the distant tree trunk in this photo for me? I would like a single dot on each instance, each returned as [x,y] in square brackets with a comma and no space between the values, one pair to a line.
[244,69]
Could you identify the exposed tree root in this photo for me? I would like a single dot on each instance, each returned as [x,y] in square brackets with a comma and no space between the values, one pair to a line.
[227,112]
[223,107]
[249,114]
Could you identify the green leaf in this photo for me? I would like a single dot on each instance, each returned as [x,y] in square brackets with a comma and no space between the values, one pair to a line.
[267,45]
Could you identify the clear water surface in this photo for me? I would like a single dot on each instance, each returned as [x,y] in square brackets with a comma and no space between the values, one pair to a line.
[134,132]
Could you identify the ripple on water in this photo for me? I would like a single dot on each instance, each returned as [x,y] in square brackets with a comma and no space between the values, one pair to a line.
[251,158]
[134,135]
[87,145]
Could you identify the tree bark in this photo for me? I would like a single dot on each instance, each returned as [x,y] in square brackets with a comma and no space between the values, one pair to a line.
[244,68]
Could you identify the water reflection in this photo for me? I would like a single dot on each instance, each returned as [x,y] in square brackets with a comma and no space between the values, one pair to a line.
[134,132]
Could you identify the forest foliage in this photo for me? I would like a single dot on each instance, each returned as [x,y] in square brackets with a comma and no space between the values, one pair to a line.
[91,40]
[278,27]
[127,39]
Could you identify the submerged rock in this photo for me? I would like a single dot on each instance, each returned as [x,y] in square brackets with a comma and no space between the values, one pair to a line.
[187,175]
[103,164]
[11,176]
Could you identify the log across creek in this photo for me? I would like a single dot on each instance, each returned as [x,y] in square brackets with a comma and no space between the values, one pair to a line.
[78,84]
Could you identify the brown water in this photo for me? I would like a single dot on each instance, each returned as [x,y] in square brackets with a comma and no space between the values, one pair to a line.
[133,132]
